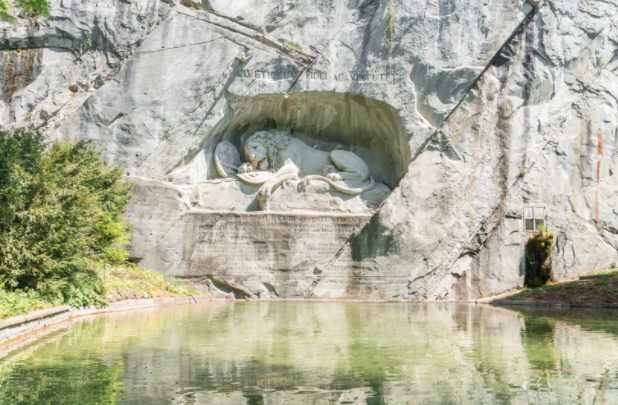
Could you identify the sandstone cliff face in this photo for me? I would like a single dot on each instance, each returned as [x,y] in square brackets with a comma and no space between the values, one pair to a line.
[500,103]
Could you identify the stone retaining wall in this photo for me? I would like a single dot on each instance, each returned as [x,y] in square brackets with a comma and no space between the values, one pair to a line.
[18,326]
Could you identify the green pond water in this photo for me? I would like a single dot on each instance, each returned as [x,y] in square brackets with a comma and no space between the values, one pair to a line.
[319,353]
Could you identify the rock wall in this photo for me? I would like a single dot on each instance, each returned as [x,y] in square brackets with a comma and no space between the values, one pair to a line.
[499,104]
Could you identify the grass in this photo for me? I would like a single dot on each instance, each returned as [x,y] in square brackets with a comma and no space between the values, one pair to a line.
[525,293]
[117,280]
[602,281]
[606,273]
[595,291]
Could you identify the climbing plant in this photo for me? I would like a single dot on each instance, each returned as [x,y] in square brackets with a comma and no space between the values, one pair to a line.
[32,7]
[538,258]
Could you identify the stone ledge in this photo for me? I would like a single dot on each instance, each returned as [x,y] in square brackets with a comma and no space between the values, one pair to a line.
[126,305]
[595,276]
[18,326]
[556,304]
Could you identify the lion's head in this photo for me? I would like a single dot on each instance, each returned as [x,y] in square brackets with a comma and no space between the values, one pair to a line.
[263,149]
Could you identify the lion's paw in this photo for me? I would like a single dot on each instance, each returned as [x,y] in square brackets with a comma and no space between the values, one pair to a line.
[245,168]
[328,169]
[265,191]
[304,183]
[334,176]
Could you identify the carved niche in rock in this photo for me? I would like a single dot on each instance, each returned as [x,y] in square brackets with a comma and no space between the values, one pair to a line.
[274,158]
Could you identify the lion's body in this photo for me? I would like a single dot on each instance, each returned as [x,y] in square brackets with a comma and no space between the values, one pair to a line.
[350,164]
[292,158]
[308,160]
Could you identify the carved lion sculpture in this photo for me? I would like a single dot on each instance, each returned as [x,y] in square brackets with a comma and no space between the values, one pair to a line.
[273,157]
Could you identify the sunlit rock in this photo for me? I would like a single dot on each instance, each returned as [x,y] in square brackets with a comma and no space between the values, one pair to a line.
[445,120]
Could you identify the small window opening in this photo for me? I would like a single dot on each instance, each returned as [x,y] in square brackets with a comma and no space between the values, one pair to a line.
[534,216]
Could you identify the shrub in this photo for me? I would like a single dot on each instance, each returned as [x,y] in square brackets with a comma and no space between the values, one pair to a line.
[20,303]
[538,258]
[61,211]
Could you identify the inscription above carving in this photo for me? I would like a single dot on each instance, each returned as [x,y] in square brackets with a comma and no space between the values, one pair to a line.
[292,74]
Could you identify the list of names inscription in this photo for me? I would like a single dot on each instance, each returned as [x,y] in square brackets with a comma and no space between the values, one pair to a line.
[270,244]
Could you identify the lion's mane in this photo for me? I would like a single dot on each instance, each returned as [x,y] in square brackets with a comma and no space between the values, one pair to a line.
[275,142]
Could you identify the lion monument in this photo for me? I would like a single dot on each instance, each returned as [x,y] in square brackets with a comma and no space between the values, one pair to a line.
[273,158]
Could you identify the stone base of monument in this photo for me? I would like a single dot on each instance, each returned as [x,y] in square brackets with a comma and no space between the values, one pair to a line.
[225,195]
[265,255]
[258,254]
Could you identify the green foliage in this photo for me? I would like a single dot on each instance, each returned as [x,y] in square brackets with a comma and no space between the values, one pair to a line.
[607,273]
[131,278]
[104,281]
[33,7]
[5,12]
[20,303]
[538,258]
[76,376]
[61,228]
[60,211]
[83,294]
[602,281]
[525,293]
[294,45]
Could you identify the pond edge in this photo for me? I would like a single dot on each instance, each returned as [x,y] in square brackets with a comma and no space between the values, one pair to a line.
[556,304]
[16,327]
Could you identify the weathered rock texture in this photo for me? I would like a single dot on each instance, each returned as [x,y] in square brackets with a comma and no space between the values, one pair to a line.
[487,105]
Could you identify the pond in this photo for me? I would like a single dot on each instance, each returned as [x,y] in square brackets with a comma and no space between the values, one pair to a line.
[319,353]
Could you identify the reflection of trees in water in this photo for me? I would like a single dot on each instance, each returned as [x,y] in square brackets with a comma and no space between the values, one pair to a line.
[91,381]
[30,379]
[538,342]
[79,366]
[594,320]
[494,353]
[558,345]
[315,353]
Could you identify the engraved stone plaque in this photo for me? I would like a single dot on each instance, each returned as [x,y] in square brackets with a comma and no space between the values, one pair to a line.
[251,244]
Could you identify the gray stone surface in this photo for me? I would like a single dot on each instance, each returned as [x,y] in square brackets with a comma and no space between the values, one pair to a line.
[266,255]
[464,111]
[14,327]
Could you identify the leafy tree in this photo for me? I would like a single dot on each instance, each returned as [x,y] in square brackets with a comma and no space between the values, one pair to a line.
[61,211]
[34,7]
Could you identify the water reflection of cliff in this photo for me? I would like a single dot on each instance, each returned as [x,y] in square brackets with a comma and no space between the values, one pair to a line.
[270,353]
